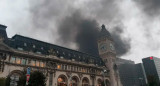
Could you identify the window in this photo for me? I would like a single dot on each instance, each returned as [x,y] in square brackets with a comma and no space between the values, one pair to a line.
[33,63]
[58,66]
[20,48]
[80,69]
[68,67]
[62,67]
[34,46]
[24,61]
[13,59]
[18,60]
[25,44]
[37,63]
[65,67]
[42,64]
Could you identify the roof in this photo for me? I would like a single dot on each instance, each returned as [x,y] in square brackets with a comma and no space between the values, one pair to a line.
[33,45]
[104,32]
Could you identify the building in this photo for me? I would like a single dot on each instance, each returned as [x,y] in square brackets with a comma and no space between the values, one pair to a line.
[120,61]
[131,74]
[152,68]
[108,54]
[57,63]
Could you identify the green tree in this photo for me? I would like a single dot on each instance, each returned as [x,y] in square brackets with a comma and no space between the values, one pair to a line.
[2,81]
[37,79]
[7,82]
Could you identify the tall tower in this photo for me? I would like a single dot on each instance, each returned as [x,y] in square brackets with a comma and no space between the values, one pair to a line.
[108,54]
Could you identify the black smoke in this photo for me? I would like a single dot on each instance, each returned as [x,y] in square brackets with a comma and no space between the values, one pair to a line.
[78,26]
[122,45]
[80,30]
[84,32]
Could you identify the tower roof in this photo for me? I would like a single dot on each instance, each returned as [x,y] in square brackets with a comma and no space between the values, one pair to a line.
[104,32]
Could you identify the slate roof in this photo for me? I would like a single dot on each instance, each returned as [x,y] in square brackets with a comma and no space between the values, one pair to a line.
[104,33]
[29,44]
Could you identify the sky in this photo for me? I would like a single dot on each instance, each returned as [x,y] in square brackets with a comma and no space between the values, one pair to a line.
[134,24]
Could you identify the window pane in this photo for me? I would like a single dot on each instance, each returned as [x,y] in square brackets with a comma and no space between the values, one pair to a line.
[24,61]
[33,63]
[41,64]
[18,60]
[13,59]
[37,63]
[58,66]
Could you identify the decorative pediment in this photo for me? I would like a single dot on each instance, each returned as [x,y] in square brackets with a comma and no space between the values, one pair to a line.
[52,52]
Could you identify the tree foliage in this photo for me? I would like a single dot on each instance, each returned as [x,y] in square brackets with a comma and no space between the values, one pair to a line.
[2,81]
[37,79]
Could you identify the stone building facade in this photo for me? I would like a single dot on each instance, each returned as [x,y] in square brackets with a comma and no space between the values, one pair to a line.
[61,66]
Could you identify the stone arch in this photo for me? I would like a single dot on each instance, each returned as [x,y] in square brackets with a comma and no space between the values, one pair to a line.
[62,80]
[75,81]
[14,76]
[85,81]
[15,71]
[99,82]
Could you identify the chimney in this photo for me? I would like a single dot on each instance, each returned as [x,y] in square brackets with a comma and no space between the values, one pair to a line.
[3,34]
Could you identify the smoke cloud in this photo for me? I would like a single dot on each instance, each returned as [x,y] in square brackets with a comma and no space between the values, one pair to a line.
[79,26]
[80,30]
[122,45]
[150,7]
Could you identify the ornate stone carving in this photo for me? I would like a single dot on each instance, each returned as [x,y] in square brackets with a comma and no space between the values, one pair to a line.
[51,64]
[52,52]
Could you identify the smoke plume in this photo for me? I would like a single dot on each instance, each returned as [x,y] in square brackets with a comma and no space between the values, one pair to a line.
[78,26]
[80,30]
[122,45]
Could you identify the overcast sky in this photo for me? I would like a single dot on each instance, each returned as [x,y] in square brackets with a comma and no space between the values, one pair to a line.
[138,21]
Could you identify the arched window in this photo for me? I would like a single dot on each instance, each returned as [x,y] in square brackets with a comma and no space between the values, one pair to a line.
[62,80]
[85,81]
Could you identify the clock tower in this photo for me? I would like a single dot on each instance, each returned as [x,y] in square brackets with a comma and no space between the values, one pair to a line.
[108,54]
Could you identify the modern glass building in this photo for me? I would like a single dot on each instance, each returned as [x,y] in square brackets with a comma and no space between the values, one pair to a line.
[152,68]
[131,74]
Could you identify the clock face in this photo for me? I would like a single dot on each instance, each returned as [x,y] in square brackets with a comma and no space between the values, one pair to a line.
[112,46]
[103,47]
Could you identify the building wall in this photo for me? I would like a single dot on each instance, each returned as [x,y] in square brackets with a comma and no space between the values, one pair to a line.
[10,68]
[131,74]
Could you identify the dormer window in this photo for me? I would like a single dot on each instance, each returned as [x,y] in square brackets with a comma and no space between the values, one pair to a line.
[25,44]
[19,48]
[38,52]
[34,46]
